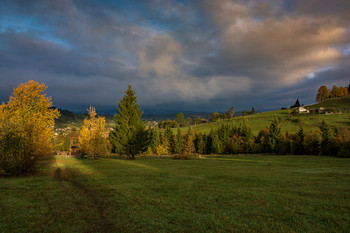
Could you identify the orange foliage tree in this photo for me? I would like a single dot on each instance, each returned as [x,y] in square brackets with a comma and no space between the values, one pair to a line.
[93,135]
[26,129]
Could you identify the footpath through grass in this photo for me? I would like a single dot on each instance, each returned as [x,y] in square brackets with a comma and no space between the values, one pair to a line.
[211,194]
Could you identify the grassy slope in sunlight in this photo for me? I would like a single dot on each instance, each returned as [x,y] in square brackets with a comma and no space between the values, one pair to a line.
[268,193]
[308,121]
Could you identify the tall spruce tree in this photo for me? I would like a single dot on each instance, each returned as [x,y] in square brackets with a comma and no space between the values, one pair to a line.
[129,135]
[274,136]
[326,134]
[178,142]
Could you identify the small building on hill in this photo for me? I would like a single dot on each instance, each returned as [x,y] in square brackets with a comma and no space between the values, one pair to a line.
[303,110]
[322,110]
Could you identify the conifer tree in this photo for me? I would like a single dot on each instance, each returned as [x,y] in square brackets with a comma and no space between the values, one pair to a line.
[200,143]
[154,139]
[129,135]
[326,135]
[189,144]
[180,118]
[247,136]
[274,136]
[163,148]
[178,142]
[299,143]
[217,146]
[169,136]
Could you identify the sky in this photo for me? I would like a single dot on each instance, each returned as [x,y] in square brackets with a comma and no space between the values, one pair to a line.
[200,55]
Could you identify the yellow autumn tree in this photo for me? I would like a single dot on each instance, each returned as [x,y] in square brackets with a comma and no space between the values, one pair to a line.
[26,129]
[93,135]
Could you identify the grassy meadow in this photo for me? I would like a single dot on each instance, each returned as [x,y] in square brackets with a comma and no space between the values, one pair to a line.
[155,194]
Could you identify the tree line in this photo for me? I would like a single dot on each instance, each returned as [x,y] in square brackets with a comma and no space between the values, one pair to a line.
[324,93]
[230,139]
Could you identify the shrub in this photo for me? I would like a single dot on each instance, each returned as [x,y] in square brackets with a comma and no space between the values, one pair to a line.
[182,157]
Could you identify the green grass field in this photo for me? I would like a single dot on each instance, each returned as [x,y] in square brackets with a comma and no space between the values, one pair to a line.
[153,194]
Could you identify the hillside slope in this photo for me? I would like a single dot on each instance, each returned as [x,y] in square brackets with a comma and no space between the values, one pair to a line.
[336,103]
[291,124]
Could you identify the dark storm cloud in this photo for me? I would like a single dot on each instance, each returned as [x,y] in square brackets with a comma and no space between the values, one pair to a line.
[203,55]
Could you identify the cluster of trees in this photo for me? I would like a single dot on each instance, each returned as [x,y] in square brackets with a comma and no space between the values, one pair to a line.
[324,93]
[246,113]
[180,121]
[215,116]
[229,139]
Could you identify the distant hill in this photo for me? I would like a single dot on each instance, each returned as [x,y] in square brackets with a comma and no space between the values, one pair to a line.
[71,119]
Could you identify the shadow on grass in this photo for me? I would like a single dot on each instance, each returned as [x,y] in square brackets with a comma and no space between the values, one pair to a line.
[91,204]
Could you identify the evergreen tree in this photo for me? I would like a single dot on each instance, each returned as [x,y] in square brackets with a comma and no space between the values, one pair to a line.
[217,146]
[154,140]
[326,135]
[297,104]
[247,136]
[178,142]
[129,135]
[169,137]
[180,118]
[200,144]
[230,113]
[189,147]
[253,111]
[163,148]
[215,116]
[299,143]
[274,136]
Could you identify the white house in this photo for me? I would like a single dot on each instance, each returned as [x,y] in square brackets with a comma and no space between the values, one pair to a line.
[303,110]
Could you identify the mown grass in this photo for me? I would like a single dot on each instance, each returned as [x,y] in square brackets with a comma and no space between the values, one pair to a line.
[209,194]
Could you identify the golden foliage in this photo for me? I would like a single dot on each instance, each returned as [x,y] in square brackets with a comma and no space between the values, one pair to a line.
[93,135]
[26,127]
[163,148]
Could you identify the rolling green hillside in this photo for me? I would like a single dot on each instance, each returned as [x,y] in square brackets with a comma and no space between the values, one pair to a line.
[291,124]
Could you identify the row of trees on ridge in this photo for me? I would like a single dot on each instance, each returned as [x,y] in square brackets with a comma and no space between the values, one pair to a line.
[324,93]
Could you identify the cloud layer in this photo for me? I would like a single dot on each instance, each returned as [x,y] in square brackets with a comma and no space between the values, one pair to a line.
[198,55]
